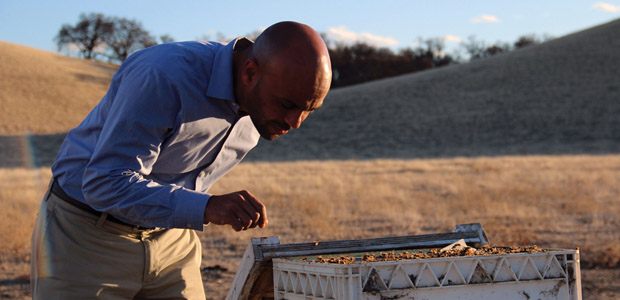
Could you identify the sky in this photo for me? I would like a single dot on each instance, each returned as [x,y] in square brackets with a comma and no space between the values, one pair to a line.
[395,24]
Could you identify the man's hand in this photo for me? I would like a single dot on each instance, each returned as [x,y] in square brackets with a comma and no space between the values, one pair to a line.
[240,209]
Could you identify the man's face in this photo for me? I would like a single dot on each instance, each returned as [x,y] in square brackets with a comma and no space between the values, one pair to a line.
[281,100]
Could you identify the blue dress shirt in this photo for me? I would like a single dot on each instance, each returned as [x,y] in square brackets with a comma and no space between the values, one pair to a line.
[165,131]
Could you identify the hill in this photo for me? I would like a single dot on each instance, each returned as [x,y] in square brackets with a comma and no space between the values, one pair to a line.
[44,92]
[559,97]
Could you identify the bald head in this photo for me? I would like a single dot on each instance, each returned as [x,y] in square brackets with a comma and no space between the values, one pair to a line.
[282,77]
[294,44]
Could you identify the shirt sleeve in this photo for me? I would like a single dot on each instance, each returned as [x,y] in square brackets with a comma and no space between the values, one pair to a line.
[143,112]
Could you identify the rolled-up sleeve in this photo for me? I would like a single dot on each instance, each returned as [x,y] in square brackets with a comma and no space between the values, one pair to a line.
[142,114]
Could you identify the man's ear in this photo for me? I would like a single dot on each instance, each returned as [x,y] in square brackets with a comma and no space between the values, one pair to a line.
[250,72]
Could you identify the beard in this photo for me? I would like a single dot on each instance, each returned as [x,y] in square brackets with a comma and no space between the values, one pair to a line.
[271,130]
[268,129]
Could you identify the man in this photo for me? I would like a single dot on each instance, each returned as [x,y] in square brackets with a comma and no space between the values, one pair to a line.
[130,182]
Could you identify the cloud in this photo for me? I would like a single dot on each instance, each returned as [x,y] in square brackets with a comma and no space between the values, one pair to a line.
[344,35]
[485,19]
[451,39]
[606,7]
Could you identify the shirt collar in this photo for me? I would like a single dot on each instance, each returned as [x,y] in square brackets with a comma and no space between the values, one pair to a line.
[221,79]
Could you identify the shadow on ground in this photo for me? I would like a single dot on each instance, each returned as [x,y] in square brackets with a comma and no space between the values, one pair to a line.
[32,151]
[29,151]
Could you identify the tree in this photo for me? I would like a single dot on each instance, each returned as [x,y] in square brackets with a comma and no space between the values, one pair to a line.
[219,37]
[87,35]
[254,34]
[478,49]
[494,50]
[473,47]
[127,36]
[433,56]
[166,38]
[361,62]
[527,40]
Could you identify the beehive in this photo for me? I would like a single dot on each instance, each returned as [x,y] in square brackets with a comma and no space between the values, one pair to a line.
[270,270]
[545,275]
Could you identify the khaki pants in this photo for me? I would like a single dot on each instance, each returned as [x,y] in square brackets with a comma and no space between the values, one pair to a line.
[75,256]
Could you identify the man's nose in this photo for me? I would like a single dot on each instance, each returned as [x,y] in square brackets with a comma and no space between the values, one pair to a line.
[295,118]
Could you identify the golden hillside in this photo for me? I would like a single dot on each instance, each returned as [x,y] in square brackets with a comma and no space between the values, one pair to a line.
[44,92]
[558,97]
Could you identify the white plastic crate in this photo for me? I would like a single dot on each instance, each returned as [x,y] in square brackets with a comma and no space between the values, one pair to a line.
[544,275]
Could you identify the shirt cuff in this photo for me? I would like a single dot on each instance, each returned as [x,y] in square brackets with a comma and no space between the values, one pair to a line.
[190,209]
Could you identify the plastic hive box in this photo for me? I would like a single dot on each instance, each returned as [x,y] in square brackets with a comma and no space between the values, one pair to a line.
[554,274]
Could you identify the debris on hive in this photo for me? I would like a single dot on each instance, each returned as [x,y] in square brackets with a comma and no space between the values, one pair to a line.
[432,253]
[342,260]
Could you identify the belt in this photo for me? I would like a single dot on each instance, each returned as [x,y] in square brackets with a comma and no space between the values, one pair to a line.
[58,191]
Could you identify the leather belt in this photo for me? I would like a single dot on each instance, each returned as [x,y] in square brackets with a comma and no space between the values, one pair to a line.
[58,191]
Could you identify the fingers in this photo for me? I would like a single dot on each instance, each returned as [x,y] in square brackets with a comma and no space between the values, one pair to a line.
[239,225]
[258,208]
[243,218]
[250,210]
[241,210]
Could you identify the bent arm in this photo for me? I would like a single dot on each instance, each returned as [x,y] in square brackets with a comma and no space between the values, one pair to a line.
[143,112]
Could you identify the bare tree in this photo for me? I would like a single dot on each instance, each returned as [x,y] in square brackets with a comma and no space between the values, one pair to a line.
[127,37]
[219,37]
[434,45]
[87,35]
[479,49]
[166,38]
[254,34]
[474,47]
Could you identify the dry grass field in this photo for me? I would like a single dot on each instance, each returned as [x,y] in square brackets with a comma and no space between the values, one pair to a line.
[565,202]
[551,201]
